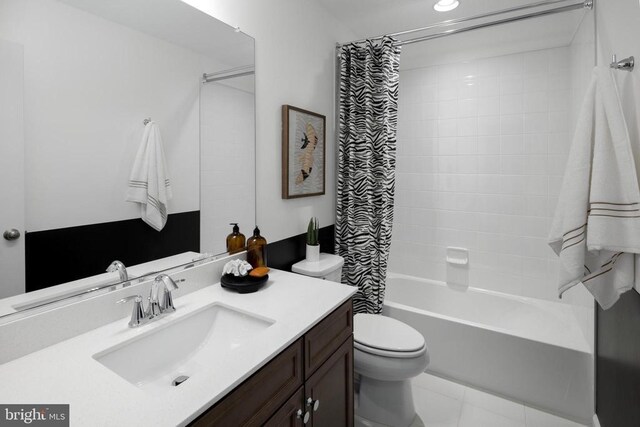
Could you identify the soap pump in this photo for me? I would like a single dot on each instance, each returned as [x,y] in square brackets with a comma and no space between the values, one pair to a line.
[235,240]
[257,249]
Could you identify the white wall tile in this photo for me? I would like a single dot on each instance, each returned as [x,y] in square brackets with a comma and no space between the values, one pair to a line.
[538,102]
[511,85]
[535,83]
[467,126]
[485,175]
[489,125]
[468,108]
[489,106]
[447,127]
[448,109]
[511,124]
[512,144]
[512,104]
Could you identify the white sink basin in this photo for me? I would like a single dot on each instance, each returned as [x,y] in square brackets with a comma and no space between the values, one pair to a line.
[182,347]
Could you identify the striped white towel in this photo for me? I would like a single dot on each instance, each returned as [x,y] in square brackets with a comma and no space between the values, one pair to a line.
[596,228]
[149,183]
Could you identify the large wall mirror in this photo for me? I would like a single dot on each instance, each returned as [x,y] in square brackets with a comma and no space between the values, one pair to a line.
[78,81]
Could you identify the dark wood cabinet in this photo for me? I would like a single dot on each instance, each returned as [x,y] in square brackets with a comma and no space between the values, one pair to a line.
[278,395]
[254,401]
[292,413]
[330,389]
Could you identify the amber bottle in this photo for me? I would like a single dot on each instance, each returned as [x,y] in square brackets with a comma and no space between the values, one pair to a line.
[235,240]
[257,249]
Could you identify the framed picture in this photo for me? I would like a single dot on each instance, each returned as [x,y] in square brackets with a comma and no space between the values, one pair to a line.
[303,153]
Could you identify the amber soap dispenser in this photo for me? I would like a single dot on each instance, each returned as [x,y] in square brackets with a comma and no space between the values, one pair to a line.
[257,249]
[235,240]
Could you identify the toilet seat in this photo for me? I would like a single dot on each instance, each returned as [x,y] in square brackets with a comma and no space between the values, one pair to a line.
[384,336]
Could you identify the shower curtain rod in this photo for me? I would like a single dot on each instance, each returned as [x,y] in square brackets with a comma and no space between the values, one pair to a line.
[228,74]
[586,4]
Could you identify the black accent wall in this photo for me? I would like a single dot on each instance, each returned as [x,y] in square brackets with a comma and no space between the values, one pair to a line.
[65,254]
[618,363]
[284,253]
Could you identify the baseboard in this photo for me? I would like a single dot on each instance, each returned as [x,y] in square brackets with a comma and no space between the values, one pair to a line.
[596,421]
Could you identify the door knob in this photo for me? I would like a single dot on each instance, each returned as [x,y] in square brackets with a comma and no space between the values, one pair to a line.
[12,234]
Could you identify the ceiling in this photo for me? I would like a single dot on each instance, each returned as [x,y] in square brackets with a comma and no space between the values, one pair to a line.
[370,18]
[179,23]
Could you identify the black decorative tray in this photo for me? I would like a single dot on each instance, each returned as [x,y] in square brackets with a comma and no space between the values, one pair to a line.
[243,285]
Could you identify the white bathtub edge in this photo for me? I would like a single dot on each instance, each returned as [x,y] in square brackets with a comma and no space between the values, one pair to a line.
[581,345]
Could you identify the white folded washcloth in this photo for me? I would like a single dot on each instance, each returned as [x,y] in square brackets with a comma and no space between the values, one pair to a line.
[149,183]
[596,227]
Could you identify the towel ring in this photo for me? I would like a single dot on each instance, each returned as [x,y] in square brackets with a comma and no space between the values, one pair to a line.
[146,121]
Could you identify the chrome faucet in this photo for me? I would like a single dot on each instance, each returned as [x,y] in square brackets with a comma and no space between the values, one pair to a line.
[168,285]
[122,272]
[160,301]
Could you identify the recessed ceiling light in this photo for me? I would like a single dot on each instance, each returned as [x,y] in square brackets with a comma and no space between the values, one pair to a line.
[446,5]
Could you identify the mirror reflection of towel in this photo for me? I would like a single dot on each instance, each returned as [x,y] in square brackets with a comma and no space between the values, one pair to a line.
[596,227]
[149,183]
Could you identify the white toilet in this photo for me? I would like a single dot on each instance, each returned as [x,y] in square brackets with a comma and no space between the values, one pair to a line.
[387,354]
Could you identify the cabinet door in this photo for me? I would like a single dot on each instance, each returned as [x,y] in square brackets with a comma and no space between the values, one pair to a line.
[254,401]
[288,415]
[330,389]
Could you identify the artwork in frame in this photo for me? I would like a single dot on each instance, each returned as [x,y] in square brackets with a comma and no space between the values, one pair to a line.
[303,153]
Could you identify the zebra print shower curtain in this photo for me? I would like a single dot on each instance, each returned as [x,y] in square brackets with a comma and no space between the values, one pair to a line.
[366,166]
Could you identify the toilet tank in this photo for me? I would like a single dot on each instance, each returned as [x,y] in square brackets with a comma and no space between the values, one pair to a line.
[328,267]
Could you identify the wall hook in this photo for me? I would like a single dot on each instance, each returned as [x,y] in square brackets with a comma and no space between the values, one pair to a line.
[626,64]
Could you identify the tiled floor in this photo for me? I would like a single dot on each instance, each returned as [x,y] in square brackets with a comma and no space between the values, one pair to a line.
[442,403]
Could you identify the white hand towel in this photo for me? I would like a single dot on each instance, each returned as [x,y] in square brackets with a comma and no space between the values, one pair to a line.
[149,184]
[596,227]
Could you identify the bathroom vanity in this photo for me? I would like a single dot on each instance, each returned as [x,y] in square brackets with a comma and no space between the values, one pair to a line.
[249,359]
[311,382]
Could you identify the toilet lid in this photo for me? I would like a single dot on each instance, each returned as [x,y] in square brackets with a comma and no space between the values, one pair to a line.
[385,333]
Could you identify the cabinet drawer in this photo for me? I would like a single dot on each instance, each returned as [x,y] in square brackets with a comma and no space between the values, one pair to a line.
[326,337]
[256,399]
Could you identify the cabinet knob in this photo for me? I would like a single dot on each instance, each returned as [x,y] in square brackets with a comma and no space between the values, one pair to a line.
[304,417]
[313,404]
[12,234]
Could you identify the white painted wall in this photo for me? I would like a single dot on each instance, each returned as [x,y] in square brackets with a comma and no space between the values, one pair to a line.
[295,65]
[89,83]
[227,163]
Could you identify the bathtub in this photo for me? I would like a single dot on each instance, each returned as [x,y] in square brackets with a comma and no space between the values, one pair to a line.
[525,349]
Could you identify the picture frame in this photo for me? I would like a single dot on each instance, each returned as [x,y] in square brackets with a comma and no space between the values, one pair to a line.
[303,153]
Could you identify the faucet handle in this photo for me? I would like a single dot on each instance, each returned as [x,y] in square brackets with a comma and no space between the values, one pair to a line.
[166,305]
[137,315]
[169,283]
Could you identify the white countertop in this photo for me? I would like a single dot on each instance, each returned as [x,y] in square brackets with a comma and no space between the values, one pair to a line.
[66,372]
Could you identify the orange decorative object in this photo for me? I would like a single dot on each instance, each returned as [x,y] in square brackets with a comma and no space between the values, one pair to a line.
[259,272]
